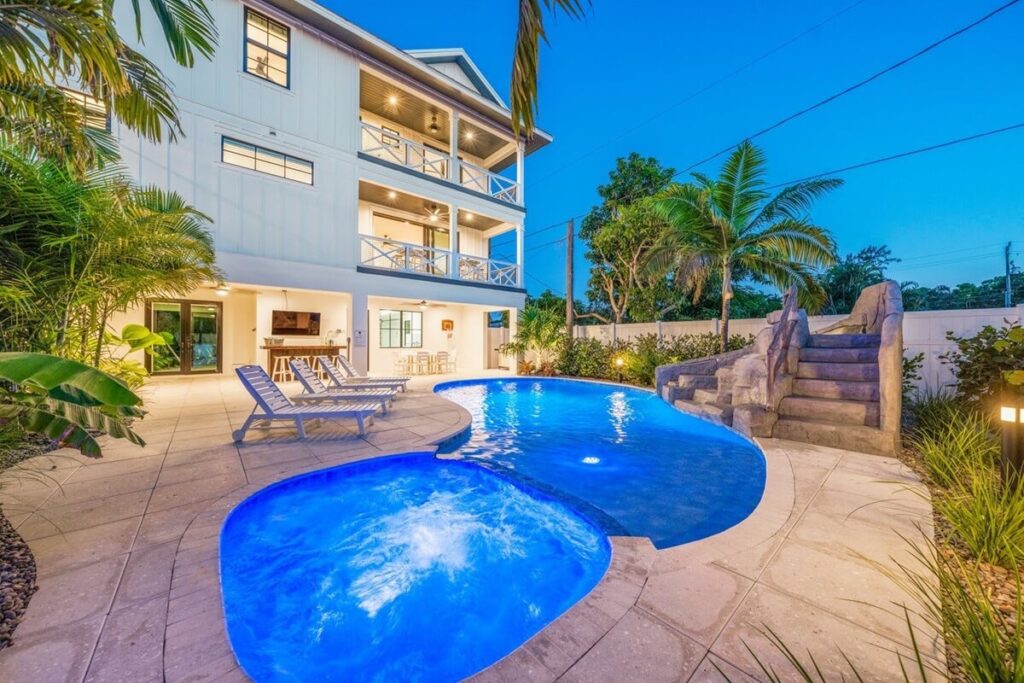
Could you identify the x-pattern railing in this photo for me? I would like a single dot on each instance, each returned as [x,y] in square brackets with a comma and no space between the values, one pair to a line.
[391,146]
[388,254]
[480,179]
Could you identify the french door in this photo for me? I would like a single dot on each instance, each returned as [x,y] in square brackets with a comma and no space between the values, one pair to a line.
[194,336]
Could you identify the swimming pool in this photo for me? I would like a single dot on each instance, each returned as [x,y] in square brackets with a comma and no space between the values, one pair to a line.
[398,568]
[620,455]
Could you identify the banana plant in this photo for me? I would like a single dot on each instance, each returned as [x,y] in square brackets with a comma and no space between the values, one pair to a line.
[65,401]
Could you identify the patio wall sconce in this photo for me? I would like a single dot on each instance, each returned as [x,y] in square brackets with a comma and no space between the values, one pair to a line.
[222,290]
[1011,418]
[618,367]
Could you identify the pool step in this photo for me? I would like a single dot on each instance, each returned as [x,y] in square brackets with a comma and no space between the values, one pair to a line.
[715,412]
[684,386]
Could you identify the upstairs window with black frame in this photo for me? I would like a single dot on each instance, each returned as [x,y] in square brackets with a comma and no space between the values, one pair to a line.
[256,158]
[401,330]
[267,48]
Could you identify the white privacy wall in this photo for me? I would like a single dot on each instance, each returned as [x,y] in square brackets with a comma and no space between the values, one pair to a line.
[923,332]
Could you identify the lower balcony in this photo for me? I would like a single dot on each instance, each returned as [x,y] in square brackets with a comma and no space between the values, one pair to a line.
[385,254]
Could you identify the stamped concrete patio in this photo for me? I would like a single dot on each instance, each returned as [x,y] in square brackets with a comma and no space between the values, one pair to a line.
[127,551]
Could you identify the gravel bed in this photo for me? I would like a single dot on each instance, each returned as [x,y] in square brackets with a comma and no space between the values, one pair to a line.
[17,579]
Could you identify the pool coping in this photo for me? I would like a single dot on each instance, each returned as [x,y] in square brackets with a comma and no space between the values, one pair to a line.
[203,647]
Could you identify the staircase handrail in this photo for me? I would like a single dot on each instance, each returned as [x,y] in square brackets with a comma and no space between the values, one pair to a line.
[782,335]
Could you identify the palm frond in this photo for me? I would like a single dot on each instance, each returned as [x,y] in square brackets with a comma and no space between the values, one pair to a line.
[737,194]
[188,27]
[796,200]
[784,274]
[526,58]
[793,239]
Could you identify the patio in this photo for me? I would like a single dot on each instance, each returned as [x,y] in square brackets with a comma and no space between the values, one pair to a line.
[126,549]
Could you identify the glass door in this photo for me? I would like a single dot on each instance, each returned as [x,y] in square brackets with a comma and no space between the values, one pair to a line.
[192,330]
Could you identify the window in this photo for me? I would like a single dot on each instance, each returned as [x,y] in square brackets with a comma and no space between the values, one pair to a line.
[401,330]
[267,161]
[267,44]
[94,111]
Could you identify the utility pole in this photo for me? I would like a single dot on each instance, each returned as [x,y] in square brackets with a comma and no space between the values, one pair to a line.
[1007,295]
[570,314]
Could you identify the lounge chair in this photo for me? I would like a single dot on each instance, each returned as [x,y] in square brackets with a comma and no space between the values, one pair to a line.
[276,406]
[340,380]
[317,391]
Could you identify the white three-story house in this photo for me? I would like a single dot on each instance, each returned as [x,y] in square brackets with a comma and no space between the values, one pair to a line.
[356,192]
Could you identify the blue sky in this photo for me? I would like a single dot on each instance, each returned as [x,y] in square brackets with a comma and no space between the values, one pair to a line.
[611,84]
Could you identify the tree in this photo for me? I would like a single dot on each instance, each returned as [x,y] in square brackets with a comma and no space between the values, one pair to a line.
[77,247]
[732,223]
[620,233]
[844,281]
[526,57]
[78,43]
[539,331]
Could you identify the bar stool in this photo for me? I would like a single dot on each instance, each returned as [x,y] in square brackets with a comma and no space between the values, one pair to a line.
[281,372]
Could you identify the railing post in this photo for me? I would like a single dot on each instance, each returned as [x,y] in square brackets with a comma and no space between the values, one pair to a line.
[453,146]
[520,250]
[520,170]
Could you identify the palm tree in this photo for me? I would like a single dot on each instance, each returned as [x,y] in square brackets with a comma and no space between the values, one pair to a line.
[539,330]
[732,225]
[51,42]
[78,247]
[526,57]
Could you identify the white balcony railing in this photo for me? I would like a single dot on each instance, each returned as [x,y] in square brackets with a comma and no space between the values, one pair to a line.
[391,146]
[388,254]
[480,179]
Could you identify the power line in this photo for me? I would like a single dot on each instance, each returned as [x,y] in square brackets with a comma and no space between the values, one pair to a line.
[856,86]
[700,91]
[901,155]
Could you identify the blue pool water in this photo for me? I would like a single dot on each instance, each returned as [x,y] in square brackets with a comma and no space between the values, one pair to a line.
[397,569]
[622,456]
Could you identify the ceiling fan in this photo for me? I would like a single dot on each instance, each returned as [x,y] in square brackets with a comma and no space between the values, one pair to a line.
[423,303]
[436,213]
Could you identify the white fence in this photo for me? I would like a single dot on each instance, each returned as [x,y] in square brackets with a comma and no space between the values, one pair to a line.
[923,332]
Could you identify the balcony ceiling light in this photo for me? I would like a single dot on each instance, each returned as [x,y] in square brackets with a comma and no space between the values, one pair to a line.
[469,135]
[392,194]
[469,216]
[393,100]
[222,290]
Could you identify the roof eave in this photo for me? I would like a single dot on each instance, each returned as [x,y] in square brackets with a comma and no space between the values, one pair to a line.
[333,26]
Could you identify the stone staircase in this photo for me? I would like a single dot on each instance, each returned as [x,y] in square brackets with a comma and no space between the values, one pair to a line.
[835,395]
[705,389]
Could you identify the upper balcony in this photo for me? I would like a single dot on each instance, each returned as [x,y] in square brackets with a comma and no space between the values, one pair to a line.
[404,234]
[408,130]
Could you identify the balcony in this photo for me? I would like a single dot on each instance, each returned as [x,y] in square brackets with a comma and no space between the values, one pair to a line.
[403,257]
[405,129]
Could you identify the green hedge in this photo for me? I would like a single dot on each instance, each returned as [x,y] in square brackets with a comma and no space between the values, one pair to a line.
[640,356]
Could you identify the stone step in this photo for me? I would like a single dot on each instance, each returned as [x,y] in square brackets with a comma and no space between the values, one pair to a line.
[725,377]
[722,414]
[865,413]
[711,396]
[847,437]
[684,386]
[832,388]
[814,354]
[845,341]
[858,372]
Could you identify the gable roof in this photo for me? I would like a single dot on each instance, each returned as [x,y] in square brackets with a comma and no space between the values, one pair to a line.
[460,58]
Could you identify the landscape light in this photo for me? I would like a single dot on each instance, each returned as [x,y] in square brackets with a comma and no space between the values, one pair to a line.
[1011,417]
[618,366]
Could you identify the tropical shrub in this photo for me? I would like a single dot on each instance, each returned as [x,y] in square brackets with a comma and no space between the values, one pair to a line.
[640,356]
[954,444]
[65,401]
[987,515]
[77,248]
[984,363]
[538,335]
[911,373]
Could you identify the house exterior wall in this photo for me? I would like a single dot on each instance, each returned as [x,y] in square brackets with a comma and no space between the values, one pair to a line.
[274,233]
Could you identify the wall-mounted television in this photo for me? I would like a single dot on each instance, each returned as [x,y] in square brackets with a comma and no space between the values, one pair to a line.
[295,323]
